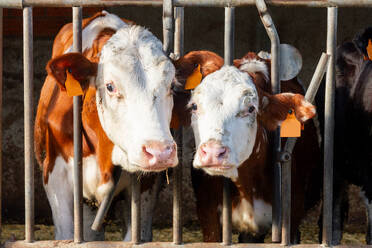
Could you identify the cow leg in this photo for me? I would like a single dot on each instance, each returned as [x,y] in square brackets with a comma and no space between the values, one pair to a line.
[246,237]
[89,213]
[60,196]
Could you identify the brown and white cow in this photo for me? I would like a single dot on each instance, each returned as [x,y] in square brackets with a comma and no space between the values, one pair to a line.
[233,113]
[127,105]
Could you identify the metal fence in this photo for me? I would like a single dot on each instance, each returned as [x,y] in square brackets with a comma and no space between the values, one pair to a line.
[173,35]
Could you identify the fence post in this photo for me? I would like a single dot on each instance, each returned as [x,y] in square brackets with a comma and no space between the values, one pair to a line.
[28,122]
[1,111]
[228,57]
[329,126]
[78,166]
[177,171]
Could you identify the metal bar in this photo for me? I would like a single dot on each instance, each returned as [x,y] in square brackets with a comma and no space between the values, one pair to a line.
[286,156]
[78,170]
[228,57]
[136,209]
[28,122]
[181,3]
[177,172]
[329,126]
[1,110]
[168,26]
[275,84]
[105,204]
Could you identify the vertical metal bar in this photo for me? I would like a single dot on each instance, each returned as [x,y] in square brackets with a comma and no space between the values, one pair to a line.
[28,122]
[177,172]
[78,175]
[136,209]
[275,83]
[329,126]
[1,110]
[228,57]
[168,27]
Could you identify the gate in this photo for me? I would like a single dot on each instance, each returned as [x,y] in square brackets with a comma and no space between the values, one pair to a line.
[173,34]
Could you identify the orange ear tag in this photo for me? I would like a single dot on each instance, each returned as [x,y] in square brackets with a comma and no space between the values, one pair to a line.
[175,122]
[290,127]
[369,49]
[194,79]
[72,86]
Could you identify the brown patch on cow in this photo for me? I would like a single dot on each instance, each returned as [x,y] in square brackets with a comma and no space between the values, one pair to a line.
[209,62]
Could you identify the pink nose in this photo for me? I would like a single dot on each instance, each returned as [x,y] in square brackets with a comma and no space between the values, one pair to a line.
[212,153]
[159,154]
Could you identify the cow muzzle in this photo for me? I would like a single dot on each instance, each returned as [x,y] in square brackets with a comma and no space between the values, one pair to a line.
[213,154]
[158,156]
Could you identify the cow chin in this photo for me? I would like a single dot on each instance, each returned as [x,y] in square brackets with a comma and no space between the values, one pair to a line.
[225,170]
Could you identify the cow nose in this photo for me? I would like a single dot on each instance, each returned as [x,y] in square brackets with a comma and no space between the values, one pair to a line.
[212,153]
[159,154]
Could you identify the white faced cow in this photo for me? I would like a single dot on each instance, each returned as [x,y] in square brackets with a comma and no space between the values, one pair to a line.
[127,103]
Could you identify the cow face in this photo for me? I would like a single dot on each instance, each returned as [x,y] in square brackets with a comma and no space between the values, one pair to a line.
[134,100]
[226,111]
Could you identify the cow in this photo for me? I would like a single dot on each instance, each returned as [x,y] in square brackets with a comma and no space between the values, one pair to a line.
[126,82]
[352,133]
[232,115]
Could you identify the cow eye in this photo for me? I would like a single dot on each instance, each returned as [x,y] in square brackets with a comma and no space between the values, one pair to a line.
[111,87]
[251,109]
[194,107]
[246,112]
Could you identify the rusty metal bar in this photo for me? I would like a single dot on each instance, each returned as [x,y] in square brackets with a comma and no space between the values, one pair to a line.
[136,209]
[78,166]
[329,111]
[275,84]
[28,122]
[1,110]
[182,3]
[286,155]
[228,57]
[177,172]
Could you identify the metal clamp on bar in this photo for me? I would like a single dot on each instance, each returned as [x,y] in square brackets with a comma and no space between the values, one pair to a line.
[275,84]
[28,122]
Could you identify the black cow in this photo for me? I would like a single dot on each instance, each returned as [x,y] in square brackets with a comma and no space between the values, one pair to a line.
[353,128]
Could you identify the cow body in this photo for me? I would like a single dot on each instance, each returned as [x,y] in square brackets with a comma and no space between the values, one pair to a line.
[126,111]
[252,182]
[352,135]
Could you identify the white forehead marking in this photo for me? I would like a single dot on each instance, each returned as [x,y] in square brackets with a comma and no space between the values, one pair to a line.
[254,66]
[91,31]
[138,53]
[224,87]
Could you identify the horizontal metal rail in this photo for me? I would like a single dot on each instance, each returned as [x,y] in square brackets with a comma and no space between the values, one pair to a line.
[181,3]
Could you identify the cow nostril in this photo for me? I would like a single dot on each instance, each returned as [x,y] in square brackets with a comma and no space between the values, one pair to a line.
[222,152]
[146,152]
[202,151]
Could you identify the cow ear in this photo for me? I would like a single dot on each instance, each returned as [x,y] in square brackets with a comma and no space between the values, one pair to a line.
[75,64]
[274,109]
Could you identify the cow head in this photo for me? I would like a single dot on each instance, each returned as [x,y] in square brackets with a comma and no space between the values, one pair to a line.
[133,80]
[227,109]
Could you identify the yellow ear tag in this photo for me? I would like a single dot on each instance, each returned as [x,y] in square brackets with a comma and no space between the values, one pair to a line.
[290,127]
[194,79]
[72,86]
[369,49]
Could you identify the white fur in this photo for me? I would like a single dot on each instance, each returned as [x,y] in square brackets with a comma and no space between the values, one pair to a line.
[220,98]
[140,110]
[254,66]
[91,31]
[59,191]
[256,219]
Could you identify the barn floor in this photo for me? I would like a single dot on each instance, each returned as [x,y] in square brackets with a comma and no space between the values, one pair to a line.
[354,229]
